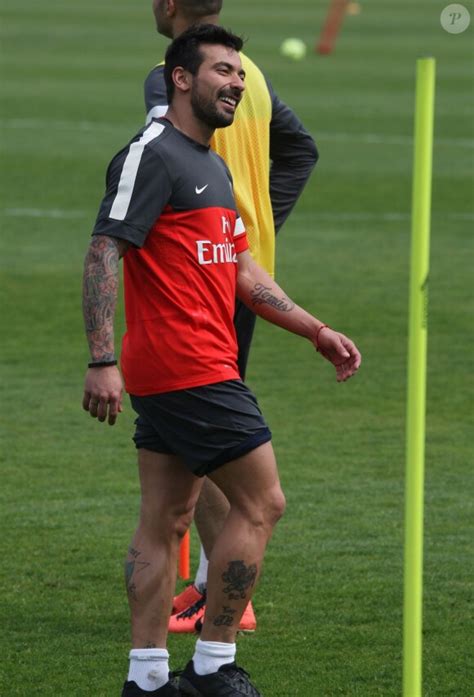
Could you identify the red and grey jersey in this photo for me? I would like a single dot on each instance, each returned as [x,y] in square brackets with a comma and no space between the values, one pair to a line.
[172,199]
[264,129]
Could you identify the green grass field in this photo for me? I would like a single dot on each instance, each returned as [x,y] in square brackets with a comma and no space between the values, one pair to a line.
[329,604]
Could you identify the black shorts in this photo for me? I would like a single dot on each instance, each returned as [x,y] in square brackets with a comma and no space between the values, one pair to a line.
[205,426]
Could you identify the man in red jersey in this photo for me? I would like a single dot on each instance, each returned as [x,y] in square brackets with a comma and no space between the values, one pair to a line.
[271,156]
[170,212]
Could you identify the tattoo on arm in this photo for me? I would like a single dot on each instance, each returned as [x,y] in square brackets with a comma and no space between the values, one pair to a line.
[262,295]
[99,296]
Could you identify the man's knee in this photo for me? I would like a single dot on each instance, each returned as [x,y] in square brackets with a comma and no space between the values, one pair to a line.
[170,523]
[265,509]
[277,505]
[169,492]
[252,487]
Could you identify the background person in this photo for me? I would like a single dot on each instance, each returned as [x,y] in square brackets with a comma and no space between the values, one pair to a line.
[270,156]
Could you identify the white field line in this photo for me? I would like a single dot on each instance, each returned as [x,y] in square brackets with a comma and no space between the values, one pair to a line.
[368,138]
[361,216]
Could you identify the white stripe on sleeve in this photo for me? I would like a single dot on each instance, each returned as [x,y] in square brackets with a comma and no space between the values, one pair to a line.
[130,170]
[239,228]
[156,112]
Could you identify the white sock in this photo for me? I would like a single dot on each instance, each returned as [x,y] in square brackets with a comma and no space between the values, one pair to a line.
[149,668]
[209,656]
[201,575]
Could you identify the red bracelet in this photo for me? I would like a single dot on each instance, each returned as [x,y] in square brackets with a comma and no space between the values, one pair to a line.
[323,326]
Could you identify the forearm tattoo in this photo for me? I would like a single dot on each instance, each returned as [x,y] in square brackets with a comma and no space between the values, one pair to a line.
[99,296]
[262,295]
[133,567]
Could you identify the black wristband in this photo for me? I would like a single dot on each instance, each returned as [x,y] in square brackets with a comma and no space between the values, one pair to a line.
[101,364]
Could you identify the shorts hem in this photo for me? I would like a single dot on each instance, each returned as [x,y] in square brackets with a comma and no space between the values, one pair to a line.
[157,449]
[233,453]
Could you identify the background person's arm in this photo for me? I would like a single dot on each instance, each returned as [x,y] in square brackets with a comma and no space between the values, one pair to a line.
[293,154]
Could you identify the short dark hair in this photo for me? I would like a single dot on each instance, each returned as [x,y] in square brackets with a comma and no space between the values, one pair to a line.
[184,50]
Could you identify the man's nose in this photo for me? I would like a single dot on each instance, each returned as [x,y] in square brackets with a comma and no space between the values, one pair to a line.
[238,83]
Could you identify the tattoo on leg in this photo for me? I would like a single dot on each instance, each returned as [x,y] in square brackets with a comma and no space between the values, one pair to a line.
[132,592]
[132,567]
[262,295]
[239,579]
[226,618]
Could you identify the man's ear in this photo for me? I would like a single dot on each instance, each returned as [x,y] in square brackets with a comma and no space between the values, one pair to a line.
[181,79]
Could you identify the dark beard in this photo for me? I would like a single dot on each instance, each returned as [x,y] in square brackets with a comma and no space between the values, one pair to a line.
[206,112]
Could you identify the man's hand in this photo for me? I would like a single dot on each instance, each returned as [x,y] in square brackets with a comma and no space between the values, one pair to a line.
[338,350]
[103,389]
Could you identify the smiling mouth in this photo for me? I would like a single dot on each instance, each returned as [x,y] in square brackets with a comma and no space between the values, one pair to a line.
[231,102]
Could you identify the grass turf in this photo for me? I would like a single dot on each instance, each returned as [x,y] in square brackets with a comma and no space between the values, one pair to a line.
[329,604]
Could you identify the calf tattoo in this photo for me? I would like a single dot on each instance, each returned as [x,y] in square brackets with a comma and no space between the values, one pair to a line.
[239,578]
[133,566]
[226,618]
[262,295]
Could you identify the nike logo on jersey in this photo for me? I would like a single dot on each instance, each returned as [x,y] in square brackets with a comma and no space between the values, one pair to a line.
[199,191]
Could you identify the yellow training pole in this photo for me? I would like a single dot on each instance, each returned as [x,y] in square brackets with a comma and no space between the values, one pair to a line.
[417,343]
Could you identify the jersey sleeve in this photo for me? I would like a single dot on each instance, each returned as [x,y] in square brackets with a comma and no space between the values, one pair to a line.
[138,187]
[240,236]
[156,101]
[293,154]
